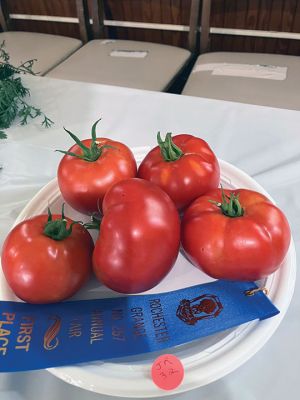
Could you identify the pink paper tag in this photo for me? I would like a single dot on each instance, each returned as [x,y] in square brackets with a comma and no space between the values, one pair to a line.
[167,372]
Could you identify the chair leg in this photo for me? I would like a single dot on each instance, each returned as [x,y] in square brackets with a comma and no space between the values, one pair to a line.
[205,25]
[83,16]
[4,16]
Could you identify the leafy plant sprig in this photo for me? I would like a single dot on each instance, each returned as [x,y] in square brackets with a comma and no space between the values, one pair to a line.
[12,94]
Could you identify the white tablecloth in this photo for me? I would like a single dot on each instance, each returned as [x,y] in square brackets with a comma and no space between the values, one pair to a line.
[262,141]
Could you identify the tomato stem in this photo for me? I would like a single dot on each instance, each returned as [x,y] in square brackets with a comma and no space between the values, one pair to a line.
[169,150]
[230,205]
[95,223]
[91,153]
[57,229]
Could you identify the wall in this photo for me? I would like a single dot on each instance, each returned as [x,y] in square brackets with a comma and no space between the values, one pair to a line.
[275,15]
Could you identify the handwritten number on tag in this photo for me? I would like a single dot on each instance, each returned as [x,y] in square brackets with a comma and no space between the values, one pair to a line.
[167,372]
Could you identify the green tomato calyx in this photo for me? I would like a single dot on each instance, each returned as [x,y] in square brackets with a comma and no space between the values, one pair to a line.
[230,205]
[91,153]
[168,149]
[57,229]
[95,222]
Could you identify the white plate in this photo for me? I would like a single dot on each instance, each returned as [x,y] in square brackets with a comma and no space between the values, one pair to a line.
[205,360]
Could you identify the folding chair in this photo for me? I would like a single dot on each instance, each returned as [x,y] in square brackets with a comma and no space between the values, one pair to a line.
[263,79]
[127,63]
[48,50]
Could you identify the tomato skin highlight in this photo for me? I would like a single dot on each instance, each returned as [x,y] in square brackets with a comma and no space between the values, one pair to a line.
[248,248]
[187,178]
[139,237]
[83,184]
[42,270]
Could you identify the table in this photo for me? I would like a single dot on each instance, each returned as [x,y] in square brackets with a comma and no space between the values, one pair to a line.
[262,141]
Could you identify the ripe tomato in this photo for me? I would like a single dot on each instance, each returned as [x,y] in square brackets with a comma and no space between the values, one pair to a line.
[90,168]
[184,167]
[139,237]
[40,269]
[239,235]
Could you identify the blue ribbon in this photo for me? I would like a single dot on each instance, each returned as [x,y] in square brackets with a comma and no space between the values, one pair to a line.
[42,336]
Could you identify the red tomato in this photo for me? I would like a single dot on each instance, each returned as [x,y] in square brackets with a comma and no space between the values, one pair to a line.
[40,269]
[90,168]
[184,167]
[139,237]
[248,245]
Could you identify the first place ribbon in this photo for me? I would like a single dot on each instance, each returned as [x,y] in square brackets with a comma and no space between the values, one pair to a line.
[43,336]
